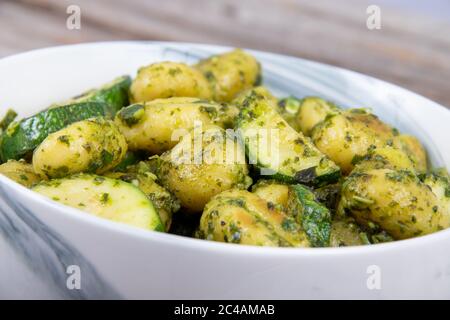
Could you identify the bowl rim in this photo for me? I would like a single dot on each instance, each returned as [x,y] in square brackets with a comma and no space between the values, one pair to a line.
[200,244]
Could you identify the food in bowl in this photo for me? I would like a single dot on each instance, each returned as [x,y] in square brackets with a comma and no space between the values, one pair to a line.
[206,151]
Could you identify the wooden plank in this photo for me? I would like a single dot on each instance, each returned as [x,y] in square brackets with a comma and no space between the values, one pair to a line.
[42,28]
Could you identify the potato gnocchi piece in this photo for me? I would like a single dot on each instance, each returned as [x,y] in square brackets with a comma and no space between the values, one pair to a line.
[384,157]
[94,146]
[350,135]
[20,171]
[151,126]
[439,182]
[230,73]
[313,110]
[164,202]
[261,91]
[274,192]
[239,216]
[168,79]
[194,175]
[395,200]
[415,150]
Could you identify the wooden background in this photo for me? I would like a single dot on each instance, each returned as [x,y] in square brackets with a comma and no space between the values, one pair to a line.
[412,48]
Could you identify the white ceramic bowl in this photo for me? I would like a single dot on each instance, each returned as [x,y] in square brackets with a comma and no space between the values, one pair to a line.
[41,239]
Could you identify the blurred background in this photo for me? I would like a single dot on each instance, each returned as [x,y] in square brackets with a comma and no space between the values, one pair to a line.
[412,47]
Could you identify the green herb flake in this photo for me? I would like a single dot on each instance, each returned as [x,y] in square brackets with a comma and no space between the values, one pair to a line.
[104,199]
[64,139]
[107,158]
[131,115]
[289,225]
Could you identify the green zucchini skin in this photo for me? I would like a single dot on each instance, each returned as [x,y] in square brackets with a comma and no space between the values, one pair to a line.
[104,197]
[309,177]
[7,119]
[314,217]
[4,123]
[22,137]
[131,158]
[299,160]
[114,93]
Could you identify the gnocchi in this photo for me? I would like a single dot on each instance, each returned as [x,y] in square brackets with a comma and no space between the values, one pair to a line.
[157,126]
[230,73]
[168,79]
[351,134]
[94,145]
[21,172]
[196,175]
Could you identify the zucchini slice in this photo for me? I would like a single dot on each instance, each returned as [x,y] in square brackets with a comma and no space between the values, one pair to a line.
[7,119]
[277,149]
[107,198]
[22,137]
[114,93]
[314,217]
